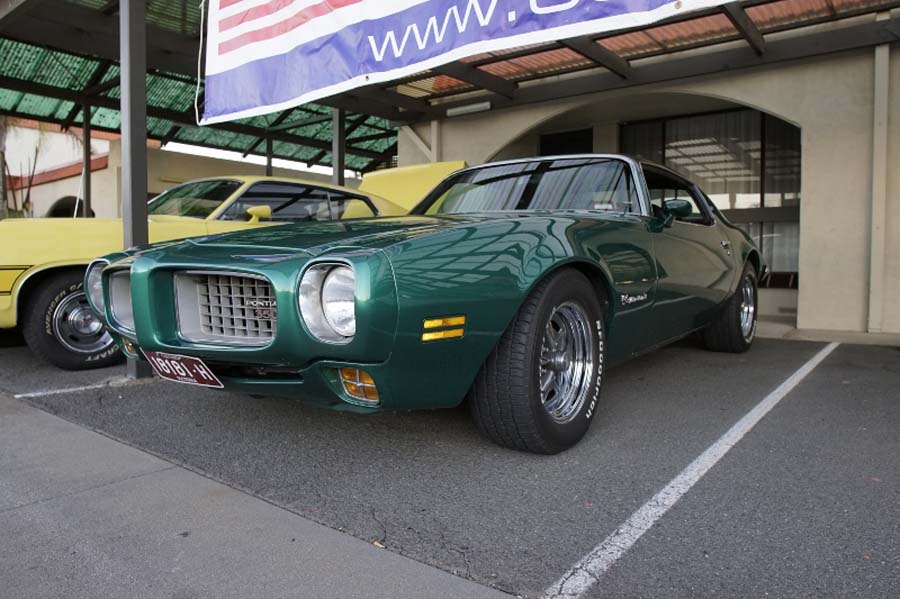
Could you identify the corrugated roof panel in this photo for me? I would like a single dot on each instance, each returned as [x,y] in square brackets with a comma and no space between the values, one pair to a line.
[158,128]
[542,63]
[37,106]
[627,45]
[436,84]
[95,4]
[106,118]
[63,109]
[180,16]
[787,12]
[498,53]
[9,99]
[845,6]
[694,31]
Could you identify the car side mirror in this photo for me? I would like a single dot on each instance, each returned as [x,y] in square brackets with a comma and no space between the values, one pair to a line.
[258,213]
[675,209]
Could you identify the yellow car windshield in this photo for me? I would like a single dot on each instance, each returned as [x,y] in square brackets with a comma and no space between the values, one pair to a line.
[197,199]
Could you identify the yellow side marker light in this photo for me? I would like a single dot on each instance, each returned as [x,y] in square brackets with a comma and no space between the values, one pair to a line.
[448,334]
[449,321]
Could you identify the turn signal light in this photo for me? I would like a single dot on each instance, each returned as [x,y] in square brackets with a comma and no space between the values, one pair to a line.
[359,385]
[448,334]
[130,347]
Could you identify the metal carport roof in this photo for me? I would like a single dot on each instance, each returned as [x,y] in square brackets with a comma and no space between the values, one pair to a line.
[49,72]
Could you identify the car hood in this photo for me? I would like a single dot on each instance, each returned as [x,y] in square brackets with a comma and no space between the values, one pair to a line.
[318,238]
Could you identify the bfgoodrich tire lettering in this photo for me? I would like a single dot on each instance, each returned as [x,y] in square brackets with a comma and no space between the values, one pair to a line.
[58,327]
[509,401]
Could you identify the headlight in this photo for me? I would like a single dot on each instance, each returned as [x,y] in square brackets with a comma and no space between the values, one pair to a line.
[327,302]
[338,302]
[93,286]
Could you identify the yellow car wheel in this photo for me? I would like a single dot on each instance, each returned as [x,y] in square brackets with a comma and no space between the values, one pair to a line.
[60,326]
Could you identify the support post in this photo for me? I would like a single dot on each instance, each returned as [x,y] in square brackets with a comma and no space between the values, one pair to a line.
[3,205]
[338,145]
[86,161]
[878,213]
[133,61]
[436,152]
[268,156]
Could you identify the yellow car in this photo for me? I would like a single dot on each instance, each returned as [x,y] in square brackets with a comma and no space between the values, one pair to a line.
[42,260]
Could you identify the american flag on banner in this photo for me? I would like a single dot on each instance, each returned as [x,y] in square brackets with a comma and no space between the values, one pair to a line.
[268,55]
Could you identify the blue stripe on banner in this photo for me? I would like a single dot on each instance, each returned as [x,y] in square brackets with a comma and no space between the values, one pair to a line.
[394,42]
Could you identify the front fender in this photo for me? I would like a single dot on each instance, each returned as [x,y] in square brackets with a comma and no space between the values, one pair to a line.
[483,271]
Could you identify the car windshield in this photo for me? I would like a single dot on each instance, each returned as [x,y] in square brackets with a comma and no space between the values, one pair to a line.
[197,199]
[552,184]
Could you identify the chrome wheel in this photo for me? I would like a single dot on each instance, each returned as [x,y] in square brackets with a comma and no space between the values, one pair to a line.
[567,362]
[748,308]
[77,328]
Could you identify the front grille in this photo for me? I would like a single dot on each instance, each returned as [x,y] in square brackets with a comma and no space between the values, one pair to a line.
[225,308]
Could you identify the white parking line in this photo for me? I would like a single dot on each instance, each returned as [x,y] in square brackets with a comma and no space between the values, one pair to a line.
[113,382]
[587,572]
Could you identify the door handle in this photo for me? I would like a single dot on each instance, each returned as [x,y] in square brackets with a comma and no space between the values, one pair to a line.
[726,245]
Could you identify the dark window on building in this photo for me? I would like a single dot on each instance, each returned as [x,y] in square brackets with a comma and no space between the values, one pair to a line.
[748,164]
[569,142]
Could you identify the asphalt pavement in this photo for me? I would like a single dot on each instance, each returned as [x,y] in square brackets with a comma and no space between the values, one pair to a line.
[780,514]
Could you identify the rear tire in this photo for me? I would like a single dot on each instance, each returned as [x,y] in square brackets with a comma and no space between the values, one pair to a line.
[59,326]
[538,389]
[734,327]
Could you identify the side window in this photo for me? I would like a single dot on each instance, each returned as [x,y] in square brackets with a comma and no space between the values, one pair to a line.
[347,207]
[289,202]
[663,188]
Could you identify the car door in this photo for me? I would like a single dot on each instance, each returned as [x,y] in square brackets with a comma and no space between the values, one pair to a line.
[612,229]
[694,266]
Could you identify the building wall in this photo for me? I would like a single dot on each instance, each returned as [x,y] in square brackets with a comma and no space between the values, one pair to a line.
[829,98]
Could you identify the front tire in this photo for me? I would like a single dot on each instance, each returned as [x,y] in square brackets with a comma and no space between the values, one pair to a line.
[734,328]
[538,389]
[60,326]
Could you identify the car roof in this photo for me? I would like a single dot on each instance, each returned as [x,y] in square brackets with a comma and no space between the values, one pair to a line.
[259,178]
[628,157]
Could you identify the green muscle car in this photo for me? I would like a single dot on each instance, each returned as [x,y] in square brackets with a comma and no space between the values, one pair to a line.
[513,285]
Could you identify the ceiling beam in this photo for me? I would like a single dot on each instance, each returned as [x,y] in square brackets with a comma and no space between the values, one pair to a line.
[357,122]
[12,10]
[99,88]
[351,103]
[278,120]
[745,26]
[96,77]
[392,98]
[604,57]
[478,78]
[851,37]
[373,137]
[313,120]
[170,135]
[176,117]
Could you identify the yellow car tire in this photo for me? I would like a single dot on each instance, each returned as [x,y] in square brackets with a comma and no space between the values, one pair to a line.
[60,327]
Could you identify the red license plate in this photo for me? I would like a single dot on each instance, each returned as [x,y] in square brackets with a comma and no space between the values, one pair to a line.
[182,369]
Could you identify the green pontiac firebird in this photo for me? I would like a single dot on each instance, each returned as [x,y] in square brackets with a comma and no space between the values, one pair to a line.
[513,284]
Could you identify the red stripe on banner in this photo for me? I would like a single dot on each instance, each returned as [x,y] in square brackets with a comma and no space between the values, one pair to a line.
[263,10]
[227,3]
[265,33]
